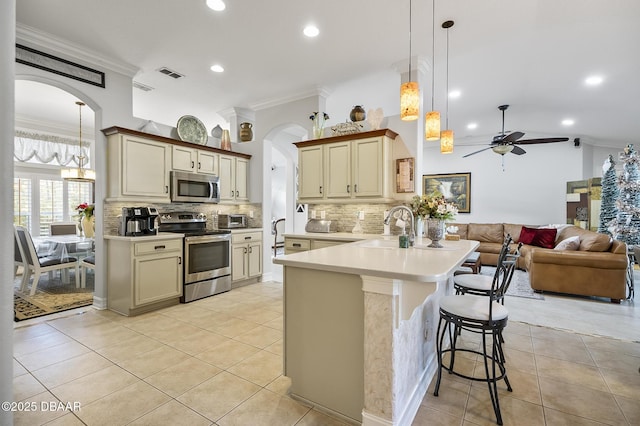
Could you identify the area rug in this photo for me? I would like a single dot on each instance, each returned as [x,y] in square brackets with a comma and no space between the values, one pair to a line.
[52,296]
[519,287]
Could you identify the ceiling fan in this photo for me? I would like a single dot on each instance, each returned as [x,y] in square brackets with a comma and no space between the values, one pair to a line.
[505,143]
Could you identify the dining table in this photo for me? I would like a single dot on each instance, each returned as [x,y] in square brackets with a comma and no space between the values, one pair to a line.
[63,246]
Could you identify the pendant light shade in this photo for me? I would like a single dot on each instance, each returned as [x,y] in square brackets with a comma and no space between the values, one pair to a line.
[79,174]
[432,126]
[446,136]
[409,101]
[446,142]
[409,91]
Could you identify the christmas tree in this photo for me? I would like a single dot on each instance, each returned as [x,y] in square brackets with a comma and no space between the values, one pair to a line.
[627,224]
[610,193]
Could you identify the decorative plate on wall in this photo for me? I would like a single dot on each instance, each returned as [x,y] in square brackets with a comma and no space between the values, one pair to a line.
[190,129]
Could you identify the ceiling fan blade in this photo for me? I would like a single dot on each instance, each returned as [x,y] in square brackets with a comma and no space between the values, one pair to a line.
[541,140]
[512,137]
[483,149]
[518,151]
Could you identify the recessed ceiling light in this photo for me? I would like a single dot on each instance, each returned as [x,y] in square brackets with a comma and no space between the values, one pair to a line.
[217,5]
[217,68]
[454,94]
[593,80]
[472,126]
[568,122]
[311,31]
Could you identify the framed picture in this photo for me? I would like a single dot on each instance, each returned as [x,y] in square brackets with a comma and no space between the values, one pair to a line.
[405,180]
[456,188]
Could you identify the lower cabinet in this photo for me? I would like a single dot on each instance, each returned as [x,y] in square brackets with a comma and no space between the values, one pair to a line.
[143,274]
[246,255]
[295,245]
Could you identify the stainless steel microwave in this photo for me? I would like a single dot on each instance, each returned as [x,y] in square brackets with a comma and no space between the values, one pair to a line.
[194,188]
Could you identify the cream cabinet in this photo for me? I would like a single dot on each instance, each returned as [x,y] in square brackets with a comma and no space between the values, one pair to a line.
[246,255]
[356,168]
[143,273]
[296,245]
[194,160]
[233,178]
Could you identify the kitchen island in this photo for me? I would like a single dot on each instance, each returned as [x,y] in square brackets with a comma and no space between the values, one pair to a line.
[360,322]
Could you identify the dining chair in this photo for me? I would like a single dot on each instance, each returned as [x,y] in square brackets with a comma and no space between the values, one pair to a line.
[88,262]
[18,260]
[63,228]
[40,265]
[278,235]
[482,315]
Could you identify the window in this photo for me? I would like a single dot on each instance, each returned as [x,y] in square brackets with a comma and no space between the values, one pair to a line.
[22,202]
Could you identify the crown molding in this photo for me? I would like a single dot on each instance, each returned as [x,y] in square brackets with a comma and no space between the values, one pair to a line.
[269,103]
[36,38]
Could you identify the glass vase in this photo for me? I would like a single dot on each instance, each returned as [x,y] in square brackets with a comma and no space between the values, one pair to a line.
[435,232]
[419,227]
[318,127]
[88,229]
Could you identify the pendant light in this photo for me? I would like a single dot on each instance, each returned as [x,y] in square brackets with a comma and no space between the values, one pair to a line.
[79,174]
[446,136]
[409,91]
[432,118]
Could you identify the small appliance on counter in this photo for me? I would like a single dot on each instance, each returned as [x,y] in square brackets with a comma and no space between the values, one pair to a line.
[138,221]
[232,221]
[318,225]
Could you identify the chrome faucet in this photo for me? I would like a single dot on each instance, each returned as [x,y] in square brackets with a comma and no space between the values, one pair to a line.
[412,235]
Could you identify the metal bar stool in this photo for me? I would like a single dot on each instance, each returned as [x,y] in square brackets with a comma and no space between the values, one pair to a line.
[483,315]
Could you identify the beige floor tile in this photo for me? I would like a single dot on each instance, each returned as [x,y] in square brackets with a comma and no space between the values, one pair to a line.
[630,408]
[71,369]
[558,418]
[276,348]
[519,360]
[100,336]
[18,369]
[129,348]
[183,376]
[25,346]
[218,395]
[265,409]
[234,327]
[52,355]
[177,331]
[561,336]
[123,406]
[612,345]
[36,415]
[567,351]
[198,342]
[261,368]
[524,385]
[81,320]
[94,386]
[26,386]
[514,411]
[227,354]
[210,320]
[276,323]
[150,322]
[615,360]
[452,397]
[260,337]
[31,331]
[570,372]
[259,316]
[514,327]
[172,413]
[68,419]
[518,342]
[280,385]
[623,383]
[580,401]
[154,361]
[430,417]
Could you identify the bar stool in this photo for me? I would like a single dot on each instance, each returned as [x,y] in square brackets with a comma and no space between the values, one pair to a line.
[482,315]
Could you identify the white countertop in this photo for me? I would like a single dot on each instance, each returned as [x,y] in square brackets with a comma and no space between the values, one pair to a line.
[381,257]
[159,235]
[335,236]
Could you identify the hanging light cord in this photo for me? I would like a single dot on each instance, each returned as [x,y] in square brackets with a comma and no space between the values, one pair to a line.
[410,40]
[433,53]
[447,83]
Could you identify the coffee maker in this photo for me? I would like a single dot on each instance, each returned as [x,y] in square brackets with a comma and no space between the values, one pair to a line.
[138,221]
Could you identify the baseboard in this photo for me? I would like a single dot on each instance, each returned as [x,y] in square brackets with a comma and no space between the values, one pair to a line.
[100,302]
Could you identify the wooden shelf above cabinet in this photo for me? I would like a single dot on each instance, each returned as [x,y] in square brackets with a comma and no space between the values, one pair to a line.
[115,129]
[350,137]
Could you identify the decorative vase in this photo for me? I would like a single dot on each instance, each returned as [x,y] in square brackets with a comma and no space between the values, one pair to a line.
[225,141]
[88,226]
[435,231]
[318,127]
[357,113]
[246,134]
[419,227]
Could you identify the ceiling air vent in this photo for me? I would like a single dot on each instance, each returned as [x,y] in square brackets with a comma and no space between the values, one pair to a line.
[170,73]
[142,87]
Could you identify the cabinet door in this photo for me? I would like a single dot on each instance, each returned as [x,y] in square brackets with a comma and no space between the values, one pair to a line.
[255,259]
[242,169]
[227,178]
[183,158]
[239,270]
[157,278]
[207,163]
[145,167]
[337,158]
[368,166]
[310,179]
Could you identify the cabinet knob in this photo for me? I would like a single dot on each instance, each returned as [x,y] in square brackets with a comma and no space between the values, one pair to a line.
[193,164]
[166,189]
[355,188]
[237,193]
[199,165]
[321,190]
[179,260]
[250,249]
[348,186]
[245,250]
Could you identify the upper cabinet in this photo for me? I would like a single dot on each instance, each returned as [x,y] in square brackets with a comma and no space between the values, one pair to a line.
[350,168]
[138,166]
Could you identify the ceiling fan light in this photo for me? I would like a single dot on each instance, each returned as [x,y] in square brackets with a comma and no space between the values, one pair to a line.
[446,142]
[409,101]
[502,149]
[432,126]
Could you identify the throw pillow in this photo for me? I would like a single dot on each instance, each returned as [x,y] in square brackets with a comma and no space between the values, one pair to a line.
[541,237]
[571,243]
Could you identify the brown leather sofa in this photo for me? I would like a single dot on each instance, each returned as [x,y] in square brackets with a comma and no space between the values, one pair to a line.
[597,268]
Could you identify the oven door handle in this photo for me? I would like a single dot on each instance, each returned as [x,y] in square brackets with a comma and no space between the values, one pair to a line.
[207,238]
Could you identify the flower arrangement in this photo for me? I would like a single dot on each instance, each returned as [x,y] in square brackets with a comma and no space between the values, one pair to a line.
[318,123]
[433,206]
[85,210]
[316,116]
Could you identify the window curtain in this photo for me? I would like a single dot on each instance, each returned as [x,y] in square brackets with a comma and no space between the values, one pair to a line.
[48,149]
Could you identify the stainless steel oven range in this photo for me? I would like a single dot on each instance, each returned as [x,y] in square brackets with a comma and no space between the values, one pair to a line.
[207,254]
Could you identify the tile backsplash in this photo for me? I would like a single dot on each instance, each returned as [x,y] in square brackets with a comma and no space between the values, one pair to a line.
[343,216]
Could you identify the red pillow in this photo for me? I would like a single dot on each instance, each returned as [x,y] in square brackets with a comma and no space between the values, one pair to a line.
[541,237]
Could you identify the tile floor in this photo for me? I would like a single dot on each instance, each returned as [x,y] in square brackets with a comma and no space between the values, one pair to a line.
[219,361]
